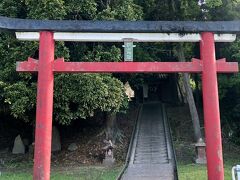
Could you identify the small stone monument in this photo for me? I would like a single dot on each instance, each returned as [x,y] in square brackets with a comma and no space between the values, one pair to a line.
[109,159]
[72,147]
[145,91]
[31,151]
[18,147]
[56,142]
[200,147]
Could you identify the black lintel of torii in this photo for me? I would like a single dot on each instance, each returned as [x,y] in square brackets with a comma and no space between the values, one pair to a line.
[31,25]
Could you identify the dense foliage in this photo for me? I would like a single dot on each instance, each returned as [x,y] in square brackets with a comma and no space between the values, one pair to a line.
[81,95]
[76,96]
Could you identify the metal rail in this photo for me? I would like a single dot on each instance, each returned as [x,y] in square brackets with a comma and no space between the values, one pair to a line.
[31,25]
[130,144]
[169,138]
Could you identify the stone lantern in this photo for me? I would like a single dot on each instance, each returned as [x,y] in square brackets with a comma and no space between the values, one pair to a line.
[200,148]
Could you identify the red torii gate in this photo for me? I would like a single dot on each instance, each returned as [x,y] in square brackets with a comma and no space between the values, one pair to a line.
[47,66]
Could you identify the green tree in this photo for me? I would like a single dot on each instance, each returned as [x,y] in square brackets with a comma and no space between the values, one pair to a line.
[81,95]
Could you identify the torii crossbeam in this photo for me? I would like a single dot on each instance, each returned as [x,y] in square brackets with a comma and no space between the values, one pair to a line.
[59,66]
[114,31]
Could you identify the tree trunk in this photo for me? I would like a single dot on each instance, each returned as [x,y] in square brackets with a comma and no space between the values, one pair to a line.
[111,126]
[190,99]
[180,93]
[197,91]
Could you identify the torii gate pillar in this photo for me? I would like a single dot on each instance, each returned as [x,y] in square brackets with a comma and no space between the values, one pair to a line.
[211,108]
[43,132]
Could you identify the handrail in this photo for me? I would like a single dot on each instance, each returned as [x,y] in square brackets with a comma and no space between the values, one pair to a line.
[170,143]
[166,129]
[130,147]
[31,25]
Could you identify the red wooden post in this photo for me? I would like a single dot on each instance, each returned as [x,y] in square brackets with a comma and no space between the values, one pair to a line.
[43,133]
[211,108]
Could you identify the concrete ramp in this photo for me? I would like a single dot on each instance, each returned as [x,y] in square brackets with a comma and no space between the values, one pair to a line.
[151,154]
